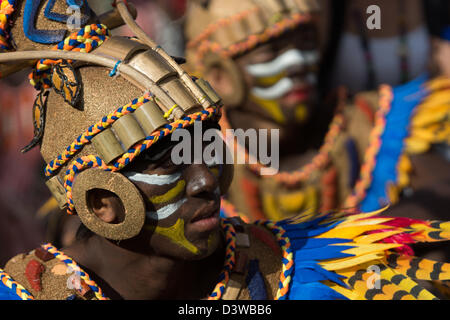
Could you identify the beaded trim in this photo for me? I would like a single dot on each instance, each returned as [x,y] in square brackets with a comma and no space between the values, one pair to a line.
[288,257]
[302,174]
[76,268]
[85,40]
[365,179]
[6,10]
[252,41]
[15,286]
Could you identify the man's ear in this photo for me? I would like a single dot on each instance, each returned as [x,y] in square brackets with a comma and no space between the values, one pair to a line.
[106,206]
[227,79]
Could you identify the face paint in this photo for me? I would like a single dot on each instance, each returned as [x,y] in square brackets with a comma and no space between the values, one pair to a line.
[165,211]
[289,59]
[274,92]
[274,75]
[155,179]
[176,234]
[272,108]
[169,195]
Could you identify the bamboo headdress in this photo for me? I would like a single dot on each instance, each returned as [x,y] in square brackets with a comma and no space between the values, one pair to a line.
[102,100]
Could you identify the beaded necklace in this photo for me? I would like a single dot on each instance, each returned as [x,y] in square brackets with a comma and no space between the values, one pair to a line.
[319,162]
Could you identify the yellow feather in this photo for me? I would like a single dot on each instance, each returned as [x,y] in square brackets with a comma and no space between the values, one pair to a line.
[370,238]
[350,232]
[350,262]
[363,249]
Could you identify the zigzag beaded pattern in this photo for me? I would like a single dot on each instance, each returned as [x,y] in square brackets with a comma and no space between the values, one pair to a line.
[16,287]
[365,179]
[252,41]
[287,260]
[86,137]
[92,161]
[6,10]
[230,251]
[85,40]
[83,275]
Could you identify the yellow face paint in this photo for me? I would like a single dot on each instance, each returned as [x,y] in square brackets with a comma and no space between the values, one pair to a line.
[215,172]
[272,107]
[301,112]
[270,81]
[169,195]
[176,234]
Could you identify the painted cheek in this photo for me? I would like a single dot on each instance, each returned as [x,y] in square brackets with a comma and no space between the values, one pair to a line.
[165,202]
[272,107]
[175,234]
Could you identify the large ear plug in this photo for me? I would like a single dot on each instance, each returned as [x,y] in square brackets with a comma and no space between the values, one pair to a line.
[125,190]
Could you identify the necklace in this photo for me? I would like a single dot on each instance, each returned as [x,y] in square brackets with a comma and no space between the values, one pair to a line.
[319,162]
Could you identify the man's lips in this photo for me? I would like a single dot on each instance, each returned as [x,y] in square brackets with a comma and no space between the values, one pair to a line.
[206,218]
[297,95]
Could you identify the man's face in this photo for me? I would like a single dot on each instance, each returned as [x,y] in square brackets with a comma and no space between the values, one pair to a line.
[182,204]
[281,77]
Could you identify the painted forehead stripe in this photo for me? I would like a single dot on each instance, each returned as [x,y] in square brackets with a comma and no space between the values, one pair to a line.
[290,58]
[155,179]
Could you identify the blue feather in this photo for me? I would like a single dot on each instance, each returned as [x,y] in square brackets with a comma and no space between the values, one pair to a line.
[313,291]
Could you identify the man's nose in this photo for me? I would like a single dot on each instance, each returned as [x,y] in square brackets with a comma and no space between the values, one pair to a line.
[200,181]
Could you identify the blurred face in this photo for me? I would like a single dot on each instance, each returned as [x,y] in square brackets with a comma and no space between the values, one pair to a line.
[182,204]
[281,77]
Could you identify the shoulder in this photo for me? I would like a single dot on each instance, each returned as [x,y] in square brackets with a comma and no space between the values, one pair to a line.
[258,263]
[44,277]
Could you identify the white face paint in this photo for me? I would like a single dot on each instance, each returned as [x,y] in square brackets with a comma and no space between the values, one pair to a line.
[289,59]
[274,92]
[165,211]
[155,179]
[159,180]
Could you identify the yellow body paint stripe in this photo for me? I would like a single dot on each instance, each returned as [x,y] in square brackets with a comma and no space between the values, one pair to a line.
[176,234]
[272,107]
[169,195]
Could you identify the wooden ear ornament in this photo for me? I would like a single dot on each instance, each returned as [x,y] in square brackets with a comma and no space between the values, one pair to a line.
[127,192]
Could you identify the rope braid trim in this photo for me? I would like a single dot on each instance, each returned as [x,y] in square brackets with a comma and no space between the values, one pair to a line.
[6,10]
[76,268]
[15,286]
[287,259]
[230,256]
[87,136]
[92,161]
[365,179]
[85,40]
[251,41]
